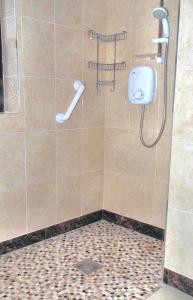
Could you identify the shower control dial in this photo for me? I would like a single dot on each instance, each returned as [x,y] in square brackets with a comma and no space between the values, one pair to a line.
[139,94]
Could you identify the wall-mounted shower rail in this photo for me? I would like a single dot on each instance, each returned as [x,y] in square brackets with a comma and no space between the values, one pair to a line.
[146,55]
[107,67]
[107,38]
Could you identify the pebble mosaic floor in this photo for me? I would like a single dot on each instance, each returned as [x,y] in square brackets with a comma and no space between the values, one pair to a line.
[131,266]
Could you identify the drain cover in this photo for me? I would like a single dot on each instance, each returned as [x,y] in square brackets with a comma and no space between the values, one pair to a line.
[87,266]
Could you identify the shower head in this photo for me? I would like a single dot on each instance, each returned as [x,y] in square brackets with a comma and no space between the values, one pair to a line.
[161,14]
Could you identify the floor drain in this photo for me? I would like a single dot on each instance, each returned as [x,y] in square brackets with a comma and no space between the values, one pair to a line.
[88,266]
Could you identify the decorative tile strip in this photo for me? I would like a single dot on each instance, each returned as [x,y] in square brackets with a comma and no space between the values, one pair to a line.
[144,228]
[178,281]
[40,235]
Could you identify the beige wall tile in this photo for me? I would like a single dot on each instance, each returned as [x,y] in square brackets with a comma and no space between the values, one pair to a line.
[142,43]
[186,15]
[92,193]
[146,18]
[39,9]
[40,156]
[69,13]
[12,213]
[41,205]
[119,15]
[38,48]
[183,125]
[93,106]
[117,107]
[150,117]
[181,193]
[183,87]
[64,95]
[139,205]
[183,122]
[170,103]
[173,8]
[141,159]
[10,123]
[160,203]
[129,195]
[181,177]
[12,162]
[124,53]
[69,53]
[69,197]
[163,155]
[95,15]
[117,150]
[39,104]
[181,166]
[172,56]
[115,192]
[69,154]
[184,53]
[179,242]
[93,149]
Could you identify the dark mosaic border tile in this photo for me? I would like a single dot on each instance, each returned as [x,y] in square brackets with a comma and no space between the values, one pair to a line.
[178,281]
[40,235]
[144,228]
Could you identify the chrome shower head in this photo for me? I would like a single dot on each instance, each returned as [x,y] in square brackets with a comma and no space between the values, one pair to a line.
[160,13]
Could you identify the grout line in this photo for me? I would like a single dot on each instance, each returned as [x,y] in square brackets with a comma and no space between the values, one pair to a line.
[56,140]
[82,116]
[54,23]
[24,122]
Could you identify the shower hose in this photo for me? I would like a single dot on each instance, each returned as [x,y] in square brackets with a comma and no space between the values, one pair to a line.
[164,108]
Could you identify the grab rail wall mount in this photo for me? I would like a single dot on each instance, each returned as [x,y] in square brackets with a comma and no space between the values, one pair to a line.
[79,88]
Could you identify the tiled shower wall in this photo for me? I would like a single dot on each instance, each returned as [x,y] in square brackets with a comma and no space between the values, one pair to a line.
[179,237]
[136,178]
[50,173]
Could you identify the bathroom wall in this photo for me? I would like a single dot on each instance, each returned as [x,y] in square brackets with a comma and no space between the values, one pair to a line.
[50,173]
[179,236]
[136,178]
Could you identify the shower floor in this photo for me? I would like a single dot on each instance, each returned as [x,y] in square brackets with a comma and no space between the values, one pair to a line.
[131,266]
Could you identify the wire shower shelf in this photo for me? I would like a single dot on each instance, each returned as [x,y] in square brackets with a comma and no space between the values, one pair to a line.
[107,67]
[107,38]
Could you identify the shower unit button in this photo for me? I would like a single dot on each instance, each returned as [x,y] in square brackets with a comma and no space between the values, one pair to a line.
[138,95]
[142,85]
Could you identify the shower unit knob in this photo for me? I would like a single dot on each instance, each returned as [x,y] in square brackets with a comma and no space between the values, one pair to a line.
[139,94]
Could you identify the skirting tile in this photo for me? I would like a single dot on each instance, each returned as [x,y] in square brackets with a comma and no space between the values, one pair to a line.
[40,235]
[37,236]
[178,281]
[147,229]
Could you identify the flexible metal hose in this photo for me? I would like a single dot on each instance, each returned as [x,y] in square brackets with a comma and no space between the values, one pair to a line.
[164,108]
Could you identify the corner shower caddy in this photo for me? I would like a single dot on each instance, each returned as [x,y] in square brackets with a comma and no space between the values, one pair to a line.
[115,66]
